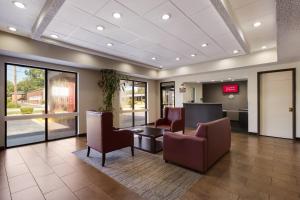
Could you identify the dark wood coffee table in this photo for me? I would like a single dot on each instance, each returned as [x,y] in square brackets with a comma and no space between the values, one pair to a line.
[146,139]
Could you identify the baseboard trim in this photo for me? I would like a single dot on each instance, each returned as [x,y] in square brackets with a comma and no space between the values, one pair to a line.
[81,135]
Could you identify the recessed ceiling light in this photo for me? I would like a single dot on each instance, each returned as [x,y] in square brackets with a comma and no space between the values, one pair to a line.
[160,66]
[193,55]
[153,58]
[257,24]
[204,45]
[222,81]
[213,80]
[166,16]
[117,15]
[263,47]
[229,78]
[54,36]
[12,29]
[235,51]
[19,4]
[100,28]
[109,44]
[177,58]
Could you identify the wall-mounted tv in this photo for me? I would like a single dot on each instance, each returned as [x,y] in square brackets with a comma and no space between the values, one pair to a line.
[230,88]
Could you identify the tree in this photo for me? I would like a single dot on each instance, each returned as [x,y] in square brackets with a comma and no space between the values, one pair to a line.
[35,79]
[10,88]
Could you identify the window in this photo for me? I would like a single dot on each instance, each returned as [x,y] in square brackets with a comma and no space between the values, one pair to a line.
[41,104]
[133,103]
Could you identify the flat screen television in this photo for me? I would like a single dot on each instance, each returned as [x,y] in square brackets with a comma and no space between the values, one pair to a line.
[230,88]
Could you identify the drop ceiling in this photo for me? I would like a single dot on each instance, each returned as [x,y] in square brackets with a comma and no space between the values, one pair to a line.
[141,35]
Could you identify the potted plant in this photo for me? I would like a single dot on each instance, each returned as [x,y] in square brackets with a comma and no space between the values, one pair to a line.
[109,83]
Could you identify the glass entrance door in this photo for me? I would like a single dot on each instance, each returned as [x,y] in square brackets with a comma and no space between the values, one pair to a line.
[40,105]
[133,104]
[167,94]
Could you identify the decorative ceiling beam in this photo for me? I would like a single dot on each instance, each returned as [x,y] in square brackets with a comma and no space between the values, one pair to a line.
[48,12]
[225,11]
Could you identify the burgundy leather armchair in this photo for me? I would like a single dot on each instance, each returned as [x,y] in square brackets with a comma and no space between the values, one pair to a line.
[200,151]
[173,120]
[103,137]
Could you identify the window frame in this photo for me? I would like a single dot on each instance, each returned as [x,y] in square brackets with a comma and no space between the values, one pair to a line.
[45,116]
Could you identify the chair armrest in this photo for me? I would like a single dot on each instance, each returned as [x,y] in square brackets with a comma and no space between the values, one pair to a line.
[177,125]
[161,121]
[185,150]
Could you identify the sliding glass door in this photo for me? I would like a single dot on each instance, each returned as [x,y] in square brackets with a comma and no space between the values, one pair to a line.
[133,104]
[41,104]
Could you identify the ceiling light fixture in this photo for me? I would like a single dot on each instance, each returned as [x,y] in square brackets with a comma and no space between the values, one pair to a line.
[100,28]
[204,45]
[263,47]
[153,58]
[235,51]
[177,58]
[12,29]
[160,66]
[229,78]
[54,36]
[193,55]
[117,15]
[166,17]
[213,80]
[257,24]
[109,44]
[19,4]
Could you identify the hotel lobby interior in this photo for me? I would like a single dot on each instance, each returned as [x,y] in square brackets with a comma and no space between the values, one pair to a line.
[149,99]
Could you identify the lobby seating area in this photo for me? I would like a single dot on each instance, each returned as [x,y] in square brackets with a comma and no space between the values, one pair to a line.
[149,100]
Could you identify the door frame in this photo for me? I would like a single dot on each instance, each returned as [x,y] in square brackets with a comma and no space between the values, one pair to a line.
[46,116]
[161,98]
[293,70]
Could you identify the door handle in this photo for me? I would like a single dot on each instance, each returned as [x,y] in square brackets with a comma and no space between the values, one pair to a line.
[291,109]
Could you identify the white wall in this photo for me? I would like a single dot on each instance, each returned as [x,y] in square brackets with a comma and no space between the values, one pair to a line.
[188,95]
[251,75]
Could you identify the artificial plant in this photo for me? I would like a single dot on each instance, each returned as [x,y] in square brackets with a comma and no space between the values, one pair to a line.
[110,82]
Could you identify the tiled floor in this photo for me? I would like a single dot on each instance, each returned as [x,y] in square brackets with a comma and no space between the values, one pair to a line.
[256,168]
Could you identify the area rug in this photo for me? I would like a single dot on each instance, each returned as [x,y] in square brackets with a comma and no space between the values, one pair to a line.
[146,174]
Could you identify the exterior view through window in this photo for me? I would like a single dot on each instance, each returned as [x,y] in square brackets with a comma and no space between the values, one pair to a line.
[133,103]
[41,104]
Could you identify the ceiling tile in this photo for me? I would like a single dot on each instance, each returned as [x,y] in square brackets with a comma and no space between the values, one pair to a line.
[107,11]
[90,6]
[190,7]
[141,6]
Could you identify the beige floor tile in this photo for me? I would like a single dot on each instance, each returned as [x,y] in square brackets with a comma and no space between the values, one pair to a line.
[5,194]
[32,193]
[92,192]
[61,194]
[76,181]
[49,183]
[16,170]
[21,182]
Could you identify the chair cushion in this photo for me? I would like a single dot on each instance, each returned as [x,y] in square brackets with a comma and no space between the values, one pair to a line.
[174,114]
[201,131]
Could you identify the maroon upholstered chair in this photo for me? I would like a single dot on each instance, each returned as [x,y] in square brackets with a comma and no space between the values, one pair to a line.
[173,120]
[200,151]
[103,137]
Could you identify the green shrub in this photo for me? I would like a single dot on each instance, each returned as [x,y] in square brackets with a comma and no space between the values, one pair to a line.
[12,105]
[26,110]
